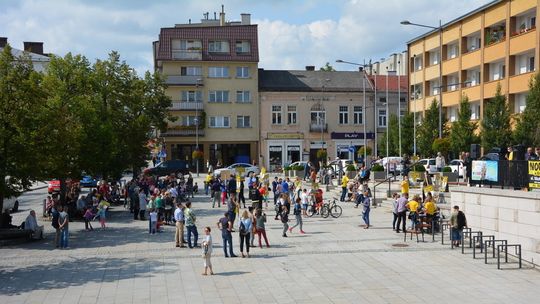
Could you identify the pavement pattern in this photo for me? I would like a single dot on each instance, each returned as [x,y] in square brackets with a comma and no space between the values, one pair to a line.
[336,261]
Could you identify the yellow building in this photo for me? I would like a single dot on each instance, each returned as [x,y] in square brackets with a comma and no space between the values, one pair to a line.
[497,44]
[211,72]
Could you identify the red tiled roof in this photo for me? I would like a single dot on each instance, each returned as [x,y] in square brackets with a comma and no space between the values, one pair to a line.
[392,82]
[206,33]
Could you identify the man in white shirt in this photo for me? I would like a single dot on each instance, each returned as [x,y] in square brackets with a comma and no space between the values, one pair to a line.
[439,162]
[179,219]
[31,224]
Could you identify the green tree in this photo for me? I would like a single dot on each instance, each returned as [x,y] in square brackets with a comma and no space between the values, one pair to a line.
[21,102]
[327,67]
[496,122]
[393,137]
[428,131]
[462,130]
[528,124]
[407,134]
[442,145]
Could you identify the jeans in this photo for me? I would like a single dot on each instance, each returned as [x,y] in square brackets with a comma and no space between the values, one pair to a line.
[262,232]
[216,198]
[285,228]
[365,215]
[206,186]
[153,227]
[413,216]
[244,238]
[298,222]
[64,236]
[401,219]
[192,230]
[394,221]
[227,238]
[343,194]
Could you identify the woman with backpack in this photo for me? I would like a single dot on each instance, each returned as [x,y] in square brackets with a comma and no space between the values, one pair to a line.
[246,225]
[458,221]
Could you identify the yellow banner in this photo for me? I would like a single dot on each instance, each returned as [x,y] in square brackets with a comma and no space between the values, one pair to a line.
[534,174]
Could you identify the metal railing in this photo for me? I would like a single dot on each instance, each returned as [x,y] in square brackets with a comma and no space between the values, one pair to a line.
[317,127]
[187,105]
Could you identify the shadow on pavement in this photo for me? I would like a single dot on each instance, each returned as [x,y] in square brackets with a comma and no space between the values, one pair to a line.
[76,272]
[231,273]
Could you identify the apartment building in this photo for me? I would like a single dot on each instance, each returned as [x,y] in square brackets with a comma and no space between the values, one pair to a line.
[211,72]
[496,44]
[304,111]
[34,50]
[396,63]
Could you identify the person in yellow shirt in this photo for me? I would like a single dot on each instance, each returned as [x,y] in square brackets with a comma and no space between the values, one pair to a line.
[413,205]
[344,182]
[405,185]
[207,182]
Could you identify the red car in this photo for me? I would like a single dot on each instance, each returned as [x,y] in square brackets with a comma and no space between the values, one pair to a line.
[54,185]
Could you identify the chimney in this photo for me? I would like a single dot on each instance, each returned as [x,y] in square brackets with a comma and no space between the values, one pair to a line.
[310,68]
[246,19]
[3,41]
[222,16]
[33,47]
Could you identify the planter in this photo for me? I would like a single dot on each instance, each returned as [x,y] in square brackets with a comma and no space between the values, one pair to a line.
[452,176]
[352,174]
[295,173]
[379,175]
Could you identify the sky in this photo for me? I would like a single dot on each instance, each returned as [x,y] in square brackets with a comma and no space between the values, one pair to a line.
[292,33]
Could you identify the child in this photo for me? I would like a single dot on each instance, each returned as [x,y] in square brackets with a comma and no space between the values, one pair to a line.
[153,221]
[297,211]
[101,214]
[285,220]
[88,216]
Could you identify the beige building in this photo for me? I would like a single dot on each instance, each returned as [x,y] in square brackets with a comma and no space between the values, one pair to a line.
[304,111]
[497,44]
[211,72]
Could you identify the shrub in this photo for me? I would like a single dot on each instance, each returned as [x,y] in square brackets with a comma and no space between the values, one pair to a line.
[287,168]
[377,168]
[322,154]
[446,169]
[361,151]
[297,168]
[350,168]
[419,168]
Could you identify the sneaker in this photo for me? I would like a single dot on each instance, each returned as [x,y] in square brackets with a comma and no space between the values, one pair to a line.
[290,230]
[302,232]
[284,235]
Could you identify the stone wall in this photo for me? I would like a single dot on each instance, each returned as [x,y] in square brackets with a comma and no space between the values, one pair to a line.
[507,214]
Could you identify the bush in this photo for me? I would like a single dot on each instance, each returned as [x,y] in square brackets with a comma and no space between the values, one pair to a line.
[419,168]
[322,154]
[297,168]
[350,168]
[446,169]
[361,151]
[377,168]
[287,168]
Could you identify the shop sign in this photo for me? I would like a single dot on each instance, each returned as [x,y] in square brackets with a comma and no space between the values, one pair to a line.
[353,135]
[285,136]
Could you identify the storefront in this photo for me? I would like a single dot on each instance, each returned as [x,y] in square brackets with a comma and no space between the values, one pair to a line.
[347,144]
[283,149]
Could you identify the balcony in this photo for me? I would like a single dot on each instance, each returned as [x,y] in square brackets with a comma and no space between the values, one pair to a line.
[182,133]
[194,54]
[520,83]
[490,88]
[470,59]
[494,51]
[450,66]
[183,80]
[523,42]
[318,127]
[186,106]
[451,98]
[473,92]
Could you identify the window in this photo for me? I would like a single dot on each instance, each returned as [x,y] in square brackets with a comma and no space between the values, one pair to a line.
[475,110]
[186,49]
[276,115]
[343,115]
[358,117]
[191,96]
[291,115]
[218,72]
[218,46]
[243,121]
[520,102]
[434,57]
[188,120]
[452,82]
[496,70]
[473,78]
[243,47]
[452,113]
[218,96]
[243,97]
[434,87]
[473,42]
[418,64]
[191,71]
[452,50]
[382,118]
[242,72]
[219,122]
[525,63]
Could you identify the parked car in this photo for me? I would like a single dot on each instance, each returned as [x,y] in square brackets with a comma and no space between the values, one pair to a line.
[299,163]
[429,164]
[88,182]
[54,185]
[244,169]
[177,167]
[458,166]
[11,203]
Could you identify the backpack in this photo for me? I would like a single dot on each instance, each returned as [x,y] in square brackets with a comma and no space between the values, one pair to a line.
[284,217]
[461,220]
[242,228]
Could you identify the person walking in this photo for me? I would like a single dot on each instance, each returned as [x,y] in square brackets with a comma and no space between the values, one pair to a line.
[142,204]
[401,208]
[285,220]
[207,182]
[366,208]
[179,221]
[225,225]
[190,219]
[260,220]
[216,192]
[245,232]
[63,224]
[297,211]
[88,216]
[207,251]
[458,221]
[241,197]
[395,198]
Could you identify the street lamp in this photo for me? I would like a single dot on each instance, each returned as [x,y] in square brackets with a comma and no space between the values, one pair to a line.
[363,66]
[440,29]
[414,112]
[196,120]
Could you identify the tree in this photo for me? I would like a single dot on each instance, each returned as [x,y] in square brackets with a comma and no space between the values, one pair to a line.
[527,130]
[21,102]
[462,131]
[327,68]
[495,124]
[393,137]
[407,134]
[441,145]
[428,131]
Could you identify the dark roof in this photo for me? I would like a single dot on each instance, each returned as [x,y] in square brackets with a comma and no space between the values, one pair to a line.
[311,81]
[471,13]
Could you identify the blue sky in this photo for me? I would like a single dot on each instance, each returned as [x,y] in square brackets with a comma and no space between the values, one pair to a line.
[292,33]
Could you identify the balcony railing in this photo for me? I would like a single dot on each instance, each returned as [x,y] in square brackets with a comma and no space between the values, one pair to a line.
[183,80]
[318,127]
[187,105]
[187,54]
[182,133]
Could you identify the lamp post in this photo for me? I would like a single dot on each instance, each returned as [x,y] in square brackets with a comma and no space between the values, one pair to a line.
[399,104]
[414,112]
[362,66]
[322,120]
[197,121]
[440,29]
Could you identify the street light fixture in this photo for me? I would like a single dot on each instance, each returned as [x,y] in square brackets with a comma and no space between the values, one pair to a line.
[440,29]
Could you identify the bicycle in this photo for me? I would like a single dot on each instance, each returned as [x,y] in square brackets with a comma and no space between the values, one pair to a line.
[332,209]
[315,208]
